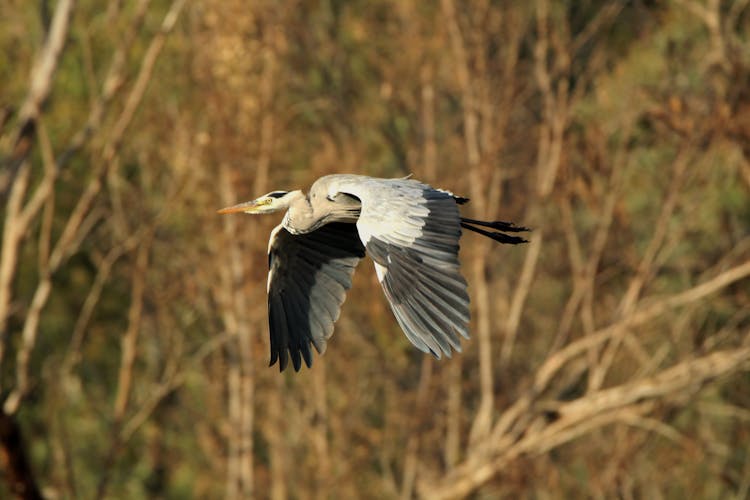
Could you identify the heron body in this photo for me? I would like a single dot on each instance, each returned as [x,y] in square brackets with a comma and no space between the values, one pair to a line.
[410,230]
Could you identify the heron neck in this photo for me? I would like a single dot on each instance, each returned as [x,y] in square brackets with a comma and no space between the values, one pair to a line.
[305,216]
[300,217]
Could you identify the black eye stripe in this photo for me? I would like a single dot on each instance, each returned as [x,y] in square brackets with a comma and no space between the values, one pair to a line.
[277,194]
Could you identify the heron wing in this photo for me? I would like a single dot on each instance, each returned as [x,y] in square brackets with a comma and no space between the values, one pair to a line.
[412,233]
[308,277]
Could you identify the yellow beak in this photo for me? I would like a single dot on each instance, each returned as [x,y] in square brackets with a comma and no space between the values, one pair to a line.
[247,207]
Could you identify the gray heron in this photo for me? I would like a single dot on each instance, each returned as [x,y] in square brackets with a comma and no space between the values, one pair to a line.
[409,229]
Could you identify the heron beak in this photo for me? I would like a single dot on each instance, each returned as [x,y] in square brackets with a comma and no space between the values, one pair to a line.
[249,207]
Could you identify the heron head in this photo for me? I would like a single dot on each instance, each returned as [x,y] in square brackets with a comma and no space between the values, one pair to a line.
[274,201]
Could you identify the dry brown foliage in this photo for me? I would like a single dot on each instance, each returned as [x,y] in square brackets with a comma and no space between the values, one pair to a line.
[609,356]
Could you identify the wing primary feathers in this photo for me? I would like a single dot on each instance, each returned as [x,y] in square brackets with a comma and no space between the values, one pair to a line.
[434,335]
[308,278]
[314,322]
[425,302]
[417,262]
[279,326]
[301,323]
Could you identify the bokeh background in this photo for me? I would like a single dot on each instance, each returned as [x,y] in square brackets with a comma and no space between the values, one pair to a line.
[609,358]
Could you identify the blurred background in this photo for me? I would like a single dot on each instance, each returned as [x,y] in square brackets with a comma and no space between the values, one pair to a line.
[609,358]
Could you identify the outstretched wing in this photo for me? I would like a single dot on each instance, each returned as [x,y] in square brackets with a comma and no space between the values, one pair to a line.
[412,233]
[308,277]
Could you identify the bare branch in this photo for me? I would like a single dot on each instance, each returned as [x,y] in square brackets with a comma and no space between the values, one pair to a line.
[582,415]
[130,336]
[12,235]
[646,313]
[519,297]
[645,269]
[40,85]
[412,445]
[141,82]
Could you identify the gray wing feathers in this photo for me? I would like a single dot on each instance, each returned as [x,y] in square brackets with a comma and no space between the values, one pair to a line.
[309,275]
[412,233]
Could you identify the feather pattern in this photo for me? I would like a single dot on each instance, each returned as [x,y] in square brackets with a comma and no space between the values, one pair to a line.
[309,275]
[412,233]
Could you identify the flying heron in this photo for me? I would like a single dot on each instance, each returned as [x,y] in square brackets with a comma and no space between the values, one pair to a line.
[411,232]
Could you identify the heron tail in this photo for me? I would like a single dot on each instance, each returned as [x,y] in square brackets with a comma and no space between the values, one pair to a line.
[501,227]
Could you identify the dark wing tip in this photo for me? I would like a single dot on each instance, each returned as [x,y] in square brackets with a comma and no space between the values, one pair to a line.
[297,357]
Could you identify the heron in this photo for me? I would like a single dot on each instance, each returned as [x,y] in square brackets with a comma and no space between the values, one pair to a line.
[411,232]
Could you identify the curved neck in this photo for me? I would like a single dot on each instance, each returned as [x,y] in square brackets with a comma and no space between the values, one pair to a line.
[305,216]
[299,218]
